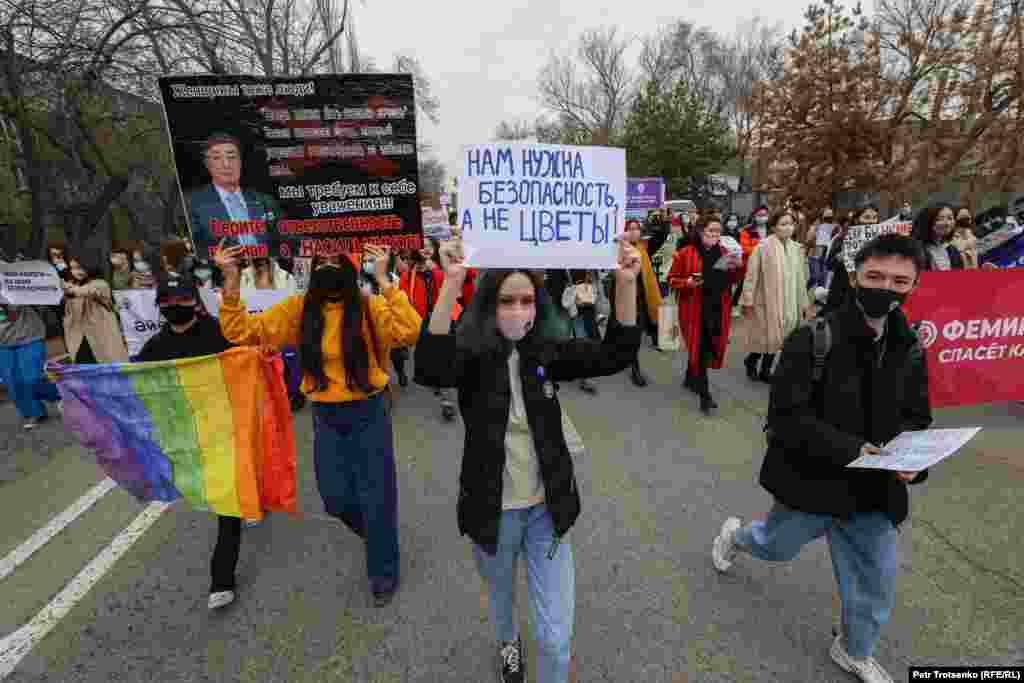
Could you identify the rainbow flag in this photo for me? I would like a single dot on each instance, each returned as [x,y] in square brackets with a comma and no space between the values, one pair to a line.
[215,430]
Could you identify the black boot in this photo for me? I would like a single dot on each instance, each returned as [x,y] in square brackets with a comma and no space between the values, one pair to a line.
[767,361]
[691,382]
[637,374]
[750,362]
[707,404]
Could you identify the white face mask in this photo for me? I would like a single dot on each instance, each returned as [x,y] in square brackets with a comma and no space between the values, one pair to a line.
[516,326]
[731,224]
[761,220]
[60,265]
[142,266]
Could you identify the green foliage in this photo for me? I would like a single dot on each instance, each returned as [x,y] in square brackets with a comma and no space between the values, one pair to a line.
[674,136]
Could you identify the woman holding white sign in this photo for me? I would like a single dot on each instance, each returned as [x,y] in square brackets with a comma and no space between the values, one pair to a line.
[518,492]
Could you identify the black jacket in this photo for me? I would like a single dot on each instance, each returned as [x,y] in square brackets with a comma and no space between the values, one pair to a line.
[484,399]
[870,393]
[956,259]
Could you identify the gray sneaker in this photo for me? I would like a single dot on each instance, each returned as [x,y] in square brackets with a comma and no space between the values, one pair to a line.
[723,551]
[867,670]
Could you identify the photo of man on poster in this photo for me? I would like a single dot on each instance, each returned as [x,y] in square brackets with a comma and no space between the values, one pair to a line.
[224,199]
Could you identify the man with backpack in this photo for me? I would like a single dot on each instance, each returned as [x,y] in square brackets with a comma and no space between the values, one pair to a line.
[846,384]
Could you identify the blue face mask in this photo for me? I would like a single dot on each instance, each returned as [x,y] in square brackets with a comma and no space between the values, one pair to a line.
[203,274]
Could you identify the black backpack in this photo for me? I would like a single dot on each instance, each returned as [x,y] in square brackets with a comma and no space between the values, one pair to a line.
[821,343]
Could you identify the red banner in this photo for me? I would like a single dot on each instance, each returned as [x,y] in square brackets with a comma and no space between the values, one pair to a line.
[972,327]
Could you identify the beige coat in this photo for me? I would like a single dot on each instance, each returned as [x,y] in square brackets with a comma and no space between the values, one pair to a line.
[776,286]
[89,314]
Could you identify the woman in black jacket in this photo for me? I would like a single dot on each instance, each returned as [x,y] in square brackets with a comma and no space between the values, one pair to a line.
[517,490]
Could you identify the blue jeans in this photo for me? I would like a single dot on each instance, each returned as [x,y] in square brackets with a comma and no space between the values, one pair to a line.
[354,458]
[21,368]
[863,550]
[551,585]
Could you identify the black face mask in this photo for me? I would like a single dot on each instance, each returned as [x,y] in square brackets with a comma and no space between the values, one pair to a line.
[963,222]
[333,280]
[878,302]
[178,315]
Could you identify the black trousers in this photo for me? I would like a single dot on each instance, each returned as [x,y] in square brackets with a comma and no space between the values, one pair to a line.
[225,554]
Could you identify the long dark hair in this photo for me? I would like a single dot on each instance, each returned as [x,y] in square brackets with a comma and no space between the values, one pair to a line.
[354,352]
[478,328]
[925,221]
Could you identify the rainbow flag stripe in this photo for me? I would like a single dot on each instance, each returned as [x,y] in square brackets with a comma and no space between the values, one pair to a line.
[215,430]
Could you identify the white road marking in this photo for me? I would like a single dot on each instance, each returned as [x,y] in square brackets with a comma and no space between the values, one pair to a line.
[43,535]
[17,645]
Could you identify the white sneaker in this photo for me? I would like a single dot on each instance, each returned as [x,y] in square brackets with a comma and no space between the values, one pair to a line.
[221,599]
[868,669]
[31,423]
[723,551]
[60,408]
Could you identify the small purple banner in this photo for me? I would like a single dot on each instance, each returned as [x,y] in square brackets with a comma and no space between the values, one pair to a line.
[645,193]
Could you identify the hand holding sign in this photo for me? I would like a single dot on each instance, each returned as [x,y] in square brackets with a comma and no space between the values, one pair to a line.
[629,264]
[452,262]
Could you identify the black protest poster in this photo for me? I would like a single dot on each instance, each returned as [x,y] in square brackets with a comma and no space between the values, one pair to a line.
[291,167]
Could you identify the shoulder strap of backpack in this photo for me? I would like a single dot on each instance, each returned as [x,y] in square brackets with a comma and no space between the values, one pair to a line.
[821,344]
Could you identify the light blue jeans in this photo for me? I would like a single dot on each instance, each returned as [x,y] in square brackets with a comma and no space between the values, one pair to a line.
[551,585]
[863,550]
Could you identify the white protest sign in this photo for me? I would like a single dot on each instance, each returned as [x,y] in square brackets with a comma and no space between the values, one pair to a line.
[30,283]
[541,206]
[140,317]
[435,223]
[859,235]
[256,300]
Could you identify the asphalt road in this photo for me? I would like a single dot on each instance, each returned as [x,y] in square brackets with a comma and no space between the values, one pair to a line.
[657,482]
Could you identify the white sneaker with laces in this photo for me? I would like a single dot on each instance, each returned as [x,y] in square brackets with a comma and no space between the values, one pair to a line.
[723,551]
[31,424]
[867,670]
[221,599]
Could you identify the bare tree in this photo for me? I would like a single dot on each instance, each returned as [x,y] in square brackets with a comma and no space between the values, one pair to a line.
[590,91]
[922,97]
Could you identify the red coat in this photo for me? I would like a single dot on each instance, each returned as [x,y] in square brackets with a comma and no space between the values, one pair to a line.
[414,284]
[686,262]
[749,239]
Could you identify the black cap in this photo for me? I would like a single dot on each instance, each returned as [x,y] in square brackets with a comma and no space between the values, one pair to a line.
[176,286]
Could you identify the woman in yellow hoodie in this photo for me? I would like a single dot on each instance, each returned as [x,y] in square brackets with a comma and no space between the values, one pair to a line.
[344,339]
[648,296]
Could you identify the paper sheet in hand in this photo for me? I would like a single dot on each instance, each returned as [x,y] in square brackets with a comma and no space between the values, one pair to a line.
[916,451]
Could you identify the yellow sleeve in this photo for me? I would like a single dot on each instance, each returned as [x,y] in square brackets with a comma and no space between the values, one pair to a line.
[278,326]
[396,322]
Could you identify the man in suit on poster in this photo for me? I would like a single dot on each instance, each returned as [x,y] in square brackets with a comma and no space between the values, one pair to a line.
[224,199]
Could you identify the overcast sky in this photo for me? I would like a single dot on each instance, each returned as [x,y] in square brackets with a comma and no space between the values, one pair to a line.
[484,55]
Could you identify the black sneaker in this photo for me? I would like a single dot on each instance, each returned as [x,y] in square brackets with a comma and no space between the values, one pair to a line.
[510,664]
